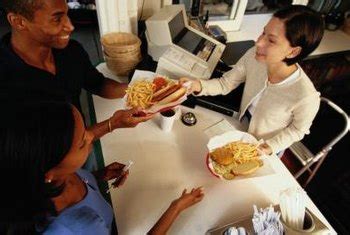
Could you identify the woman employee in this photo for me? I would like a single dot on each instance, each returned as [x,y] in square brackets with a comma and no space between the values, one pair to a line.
[279,100]
[42,148]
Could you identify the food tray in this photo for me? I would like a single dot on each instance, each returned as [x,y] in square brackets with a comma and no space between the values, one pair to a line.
[246,222]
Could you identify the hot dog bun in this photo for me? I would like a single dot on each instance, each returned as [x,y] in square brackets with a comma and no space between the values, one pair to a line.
[179,92]
[164,92]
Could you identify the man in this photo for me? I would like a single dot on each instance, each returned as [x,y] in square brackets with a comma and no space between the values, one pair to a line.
[38,59]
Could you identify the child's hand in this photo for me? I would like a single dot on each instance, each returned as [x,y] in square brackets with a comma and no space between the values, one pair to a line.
[188,199]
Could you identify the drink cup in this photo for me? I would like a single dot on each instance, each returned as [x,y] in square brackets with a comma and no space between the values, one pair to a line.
[167,119]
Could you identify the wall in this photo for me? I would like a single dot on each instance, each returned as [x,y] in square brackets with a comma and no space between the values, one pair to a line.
[122,15]
[117,15]
[149,7]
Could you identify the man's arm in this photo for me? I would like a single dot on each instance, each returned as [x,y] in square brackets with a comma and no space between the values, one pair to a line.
[111,89]
[120,119]
[93,80]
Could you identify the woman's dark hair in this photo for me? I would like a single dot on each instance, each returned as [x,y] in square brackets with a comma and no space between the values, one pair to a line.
[34,137]
[304,28]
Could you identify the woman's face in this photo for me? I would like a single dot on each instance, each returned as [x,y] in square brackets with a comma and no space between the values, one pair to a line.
[272,45]
[78,152]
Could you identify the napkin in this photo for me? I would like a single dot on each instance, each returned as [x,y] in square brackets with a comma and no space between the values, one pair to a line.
[267,221]
[235,231]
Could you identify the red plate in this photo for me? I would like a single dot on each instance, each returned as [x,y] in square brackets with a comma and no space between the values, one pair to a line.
[210,169]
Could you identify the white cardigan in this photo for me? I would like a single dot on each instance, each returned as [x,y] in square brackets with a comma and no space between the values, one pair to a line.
[283,114]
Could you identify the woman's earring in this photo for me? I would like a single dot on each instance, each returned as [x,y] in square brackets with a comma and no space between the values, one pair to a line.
[48,181]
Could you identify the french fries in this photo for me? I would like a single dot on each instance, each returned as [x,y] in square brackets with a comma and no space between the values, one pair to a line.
[140,94]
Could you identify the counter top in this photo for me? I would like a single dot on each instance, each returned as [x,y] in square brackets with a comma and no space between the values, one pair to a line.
[166,163]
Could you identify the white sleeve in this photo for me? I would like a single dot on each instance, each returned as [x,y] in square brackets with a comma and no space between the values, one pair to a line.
[229,80]
[303,115]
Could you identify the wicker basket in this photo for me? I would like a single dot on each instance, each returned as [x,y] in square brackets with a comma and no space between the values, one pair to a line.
[122,52]
[116,43]
[132,54]
[122,66]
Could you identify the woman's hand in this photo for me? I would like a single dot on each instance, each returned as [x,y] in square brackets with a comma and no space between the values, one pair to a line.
[113,171]
[128,118]
[196,86]
[265,148]
[188,199]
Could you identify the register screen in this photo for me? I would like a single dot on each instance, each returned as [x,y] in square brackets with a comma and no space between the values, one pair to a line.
[188,40]
[197,45]
[176,25]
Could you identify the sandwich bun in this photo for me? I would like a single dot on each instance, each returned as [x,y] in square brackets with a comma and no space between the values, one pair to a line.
[175,94]
[164,92]
[228,176]
[245,168]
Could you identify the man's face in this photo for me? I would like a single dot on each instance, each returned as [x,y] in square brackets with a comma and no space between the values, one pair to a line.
[50,25]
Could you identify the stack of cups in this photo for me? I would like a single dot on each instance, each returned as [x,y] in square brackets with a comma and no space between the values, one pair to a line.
[121,51]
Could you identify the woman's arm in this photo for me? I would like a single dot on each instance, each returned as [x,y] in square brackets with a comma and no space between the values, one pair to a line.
[184,201]
[229,80]
[303,115]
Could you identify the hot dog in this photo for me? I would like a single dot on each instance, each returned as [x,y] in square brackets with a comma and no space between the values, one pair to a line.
[164,92]
[179,92]
[144,94]
[159,83]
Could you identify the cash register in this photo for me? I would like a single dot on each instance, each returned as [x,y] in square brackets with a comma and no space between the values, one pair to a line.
[184,51]
[180,49]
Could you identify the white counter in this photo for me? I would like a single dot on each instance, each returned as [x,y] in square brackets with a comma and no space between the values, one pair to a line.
[252,26]
[166,163]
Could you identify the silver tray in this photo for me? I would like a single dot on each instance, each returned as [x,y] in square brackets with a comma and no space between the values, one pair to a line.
[246,222]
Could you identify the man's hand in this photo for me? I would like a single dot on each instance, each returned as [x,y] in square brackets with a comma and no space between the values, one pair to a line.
[113,171]
[128,118]
[120,119]
[188,199]
[196,86]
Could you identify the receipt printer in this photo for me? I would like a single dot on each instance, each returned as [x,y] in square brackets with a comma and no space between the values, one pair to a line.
[180,49]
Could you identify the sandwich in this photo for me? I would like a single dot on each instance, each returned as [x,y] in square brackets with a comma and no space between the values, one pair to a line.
[234,159]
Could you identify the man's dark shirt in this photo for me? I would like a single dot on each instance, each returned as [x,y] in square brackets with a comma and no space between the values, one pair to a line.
[74,71]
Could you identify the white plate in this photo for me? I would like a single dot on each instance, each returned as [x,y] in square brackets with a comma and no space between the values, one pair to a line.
[230,136]
[147,75]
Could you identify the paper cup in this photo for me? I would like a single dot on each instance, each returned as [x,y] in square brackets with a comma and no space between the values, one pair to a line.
[167,119]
